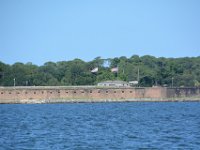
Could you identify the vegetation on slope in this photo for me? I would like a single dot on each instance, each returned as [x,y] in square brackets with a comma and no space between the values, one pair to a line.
[153,71]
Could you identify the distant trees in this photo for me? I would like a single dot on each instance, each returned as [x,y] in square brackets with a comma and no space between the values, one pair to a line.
[153,71]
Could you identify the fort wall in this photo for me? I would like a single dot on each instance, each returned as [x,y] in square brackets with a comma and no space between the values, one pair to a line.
[43,94]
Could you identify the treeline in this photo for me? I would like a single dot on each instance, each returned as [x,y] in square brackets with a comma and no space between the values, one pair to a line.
[152,71]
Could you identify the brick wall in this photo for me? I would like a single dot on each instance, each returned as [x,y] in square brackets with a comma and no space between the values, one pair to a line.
[27,94]
[183,92]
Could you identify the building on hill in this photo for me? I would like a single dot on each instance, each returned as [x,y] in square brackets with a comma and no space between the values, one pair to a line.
[133,83]
[116,83]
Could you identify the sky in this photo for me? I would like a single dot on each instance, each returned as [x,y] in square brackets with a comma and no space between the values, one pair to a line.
[39,31]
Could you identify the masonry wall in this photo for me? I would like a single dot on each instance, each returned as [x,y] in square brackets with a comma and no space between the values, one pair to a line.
[183,92]
[88,94]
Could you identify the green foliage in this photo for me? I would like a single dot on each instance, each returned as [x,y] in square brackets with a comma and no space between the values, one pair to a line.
[152,71]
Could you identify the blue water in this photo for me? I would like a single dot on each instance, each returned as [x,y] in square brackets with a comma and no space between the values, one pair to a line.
[138,125]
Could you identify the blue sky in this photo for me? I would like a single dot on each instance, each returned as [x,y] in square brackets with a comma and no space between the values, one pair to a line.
[54,30]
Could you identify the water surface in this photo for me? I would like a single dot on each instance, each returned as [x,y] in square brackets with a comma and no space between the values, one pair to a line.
[138,125]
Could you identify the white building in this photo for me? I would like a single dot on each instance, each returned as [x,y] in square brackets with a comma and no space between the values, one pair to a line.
[116,83]
[133,83]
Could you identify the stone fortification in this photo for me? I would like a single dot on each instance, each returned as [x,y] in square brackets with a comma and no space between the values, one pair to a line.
[43,94]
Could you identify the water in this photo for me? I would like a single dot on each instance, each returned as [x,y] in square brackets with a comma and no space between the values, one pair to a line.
[139,125]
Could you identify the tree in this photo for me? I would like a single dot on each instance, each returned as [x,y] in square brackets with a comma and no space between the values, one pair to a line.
[153,71]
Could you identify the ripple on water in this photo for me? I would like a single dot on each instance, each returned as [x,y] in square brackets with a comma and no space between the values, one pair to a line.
[100,126]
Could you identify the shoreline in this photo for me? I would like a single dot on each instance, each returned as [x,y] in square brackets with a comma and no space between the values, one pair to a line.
[54,101]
